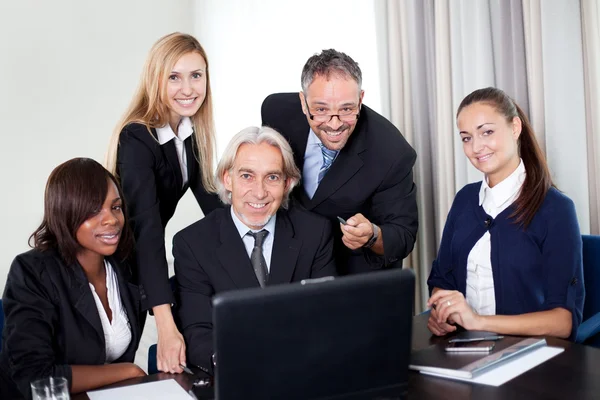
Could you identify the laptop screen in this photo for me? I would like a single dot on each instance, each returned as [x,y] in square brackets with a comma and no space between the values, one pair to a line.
[346,336]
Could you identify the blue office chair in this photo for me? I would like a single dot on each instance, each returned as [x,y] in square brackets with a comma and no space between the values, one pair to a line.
[589,330]
[152,363]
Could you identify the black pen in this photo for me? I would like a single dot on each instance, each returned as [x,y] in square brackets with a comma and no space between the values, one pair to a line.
[186,369]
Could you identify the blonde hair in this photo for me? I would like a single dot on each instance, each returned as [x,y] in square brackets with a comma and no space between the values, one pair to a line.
[149,104]
[257,136]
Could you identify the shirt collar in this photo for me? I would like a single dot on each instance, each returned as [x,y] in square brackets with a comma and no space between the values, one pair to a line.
[504,190]
[313,139]
[243,229]
[165,133]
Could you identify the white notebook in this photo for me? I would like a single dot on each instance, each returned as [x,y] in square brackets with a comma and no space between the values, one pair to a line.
[435,359]
[159,390]
[514,367]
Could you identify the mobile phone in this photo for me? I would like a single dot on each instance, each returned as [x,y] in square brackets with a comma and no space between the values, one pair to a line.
[475,336]
[342,220]
[484,346]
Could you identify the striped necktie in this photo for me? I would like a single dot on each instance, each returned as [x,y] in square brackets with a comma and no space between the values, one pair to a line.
[328,157]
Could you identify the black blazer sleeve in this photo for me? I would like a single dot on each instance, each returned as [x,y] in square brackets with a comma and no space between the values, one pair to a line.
[195,292]
[136,163]
[395,205]
[30,321]
[324,263]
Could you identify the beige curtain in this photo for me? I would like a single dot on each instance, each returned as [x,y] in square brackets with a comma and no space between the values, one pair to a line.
[590,12]
[561,102]
[415,57]
[535,81]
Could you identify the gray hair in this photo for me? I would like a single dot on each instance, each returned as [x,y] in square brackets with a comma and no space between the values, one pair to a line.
[330,62]
[255,135]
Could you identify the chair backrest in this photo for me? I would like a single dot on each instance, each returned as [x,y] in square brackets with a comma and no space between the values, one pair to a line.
[591,274]
[152,362]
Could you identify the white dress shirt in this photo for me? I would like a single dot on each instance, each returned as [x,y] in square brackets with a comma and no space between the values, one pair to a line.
[249,240]
[184,131]
[480,279]
[313,161]
[117,333]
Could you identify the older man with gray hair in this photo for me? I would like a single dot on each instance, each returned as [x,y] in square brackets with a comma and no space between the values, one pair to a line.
[257,240]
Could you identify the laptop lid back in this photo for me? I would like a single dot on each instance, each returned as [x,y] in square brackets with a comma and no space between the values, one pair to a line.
[341,337]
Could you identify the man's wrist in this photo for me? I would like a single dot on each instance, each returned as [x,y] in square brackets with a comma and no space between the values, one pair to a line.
[373,239]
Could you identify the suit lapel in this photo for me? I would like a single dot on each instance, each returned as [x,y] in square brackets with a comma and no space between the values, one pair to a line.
[346,165]
[84,302]
[285,250]
[232,254]
[128,301]
[171,155]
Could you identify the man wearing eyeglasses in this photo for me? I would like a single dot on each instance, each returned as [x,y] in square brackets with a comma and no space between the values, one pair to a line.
[355,164]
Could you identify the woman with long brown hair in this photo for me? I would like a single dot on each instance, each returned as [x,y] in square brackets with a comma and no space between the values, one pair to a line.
[510,260]
[70,308]
[164,145]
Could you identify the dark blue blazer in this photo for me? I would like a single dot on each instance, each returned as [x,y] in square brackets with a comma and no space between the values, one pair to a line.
[535,269]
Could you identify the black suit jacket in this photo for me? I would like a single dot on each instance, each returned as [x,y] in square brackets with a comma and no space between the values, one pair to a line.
[371,175]
[52,322]
[210,258]
[151,179]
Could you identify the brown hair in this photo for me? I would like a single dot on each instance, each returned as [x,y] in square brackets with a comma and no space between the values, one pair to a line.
[149,105]
[75,190]
[537,180]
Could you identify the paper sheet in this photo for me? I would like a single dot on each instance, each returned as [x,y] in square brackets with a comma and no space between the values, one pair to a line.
[159,390]
[511,369]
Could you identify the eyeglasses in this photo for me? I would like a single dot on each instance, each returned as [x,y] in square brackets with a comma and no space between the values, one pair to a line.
[348,115]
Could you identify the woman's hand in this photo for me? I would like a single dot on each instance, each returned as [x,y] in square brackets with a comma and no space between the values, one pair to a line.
[451,306]
[438,329]
[170,352]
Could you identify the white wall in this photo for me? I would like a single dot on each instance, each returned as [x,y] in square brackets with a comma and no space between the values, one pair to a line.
[258,47]
[67,72]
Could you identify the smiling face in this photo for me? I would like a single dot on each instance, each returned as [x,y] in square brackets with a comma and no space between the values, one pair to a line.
[99,235]
[332,95]
[257,183]
[490,141]
[186,87]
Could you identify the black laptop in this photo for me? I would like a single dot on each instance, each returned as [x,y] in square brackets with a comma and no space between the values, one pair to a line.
[348,337]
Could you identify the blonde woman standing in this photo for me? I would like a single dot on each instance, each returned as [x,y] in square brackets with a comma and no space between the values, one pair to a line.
[164,145]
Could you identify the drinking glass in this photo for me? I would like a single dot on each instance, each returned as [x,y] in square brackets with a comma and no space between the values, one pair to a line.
[51,388]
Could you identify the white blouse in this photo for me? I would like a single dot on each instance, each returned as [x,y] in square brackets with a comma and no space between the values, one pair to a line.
[117,333]
[480,279]
[184,131]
